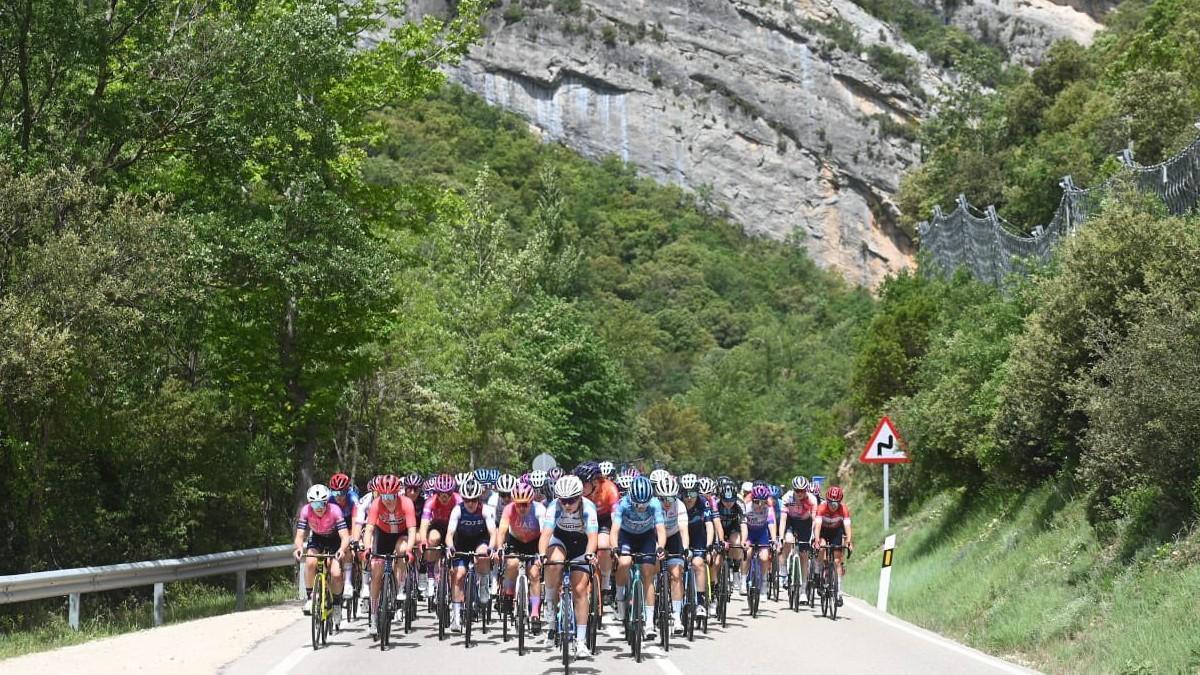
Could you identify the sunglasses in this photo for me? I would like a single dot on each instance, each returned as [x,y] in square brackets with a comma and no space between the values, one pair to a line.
[319,505]
[474,500]
[338,493]
[759,501]
[568,500]
[388,497]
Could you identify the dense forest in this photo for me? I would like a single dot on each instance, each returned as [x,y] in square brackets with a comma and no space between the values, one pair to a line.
[240,251]
[1081,374]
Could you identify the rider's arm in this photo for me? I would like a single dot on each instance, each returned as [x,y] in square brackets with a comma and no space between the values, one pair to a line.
[591,525]
[660,531]
[298,544]
[369,537]
[682,518]
[452,527]
[708,534]
[846,521]
[816,529]
[502,531]
[490,521]
[544,540]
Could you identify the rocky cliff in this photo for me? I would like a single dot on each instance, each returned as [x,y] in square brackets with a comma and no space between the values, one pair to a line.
[761,104]
[1025,29]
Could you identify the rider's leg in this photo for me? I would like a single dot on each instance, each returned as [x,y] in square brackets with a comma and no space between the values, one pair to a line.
[554,580]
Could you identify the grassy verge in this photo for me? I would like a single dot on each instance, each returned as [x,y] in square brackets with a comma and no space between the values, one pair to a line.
[1023,576]
[48,629]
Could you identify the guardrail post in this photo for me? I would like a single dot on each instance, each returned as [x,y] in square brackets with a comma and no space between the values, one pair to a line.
[300,581]
[73,610]
[241,591]
[160,603]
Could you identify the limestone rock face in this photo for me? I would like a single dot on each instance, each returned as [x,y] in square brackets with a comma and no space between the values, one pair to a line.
[748,102]
[1025,29]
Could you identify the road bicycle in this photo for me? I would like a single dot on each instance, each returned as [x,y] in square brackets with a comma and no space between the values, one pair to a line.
[356,583]
[830,580]
[322,597]
[565,621]
[387,599]
[773,584]
[471,604]
[754,577]
[813,584]
[724,585]
[635,603]
[795,577]
[439,603]
[518,611]
[662,604]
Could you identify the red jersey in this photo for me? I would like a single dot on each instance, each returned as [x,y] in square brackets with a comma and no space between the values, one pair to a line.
[830,519]
[605,496]
[395,521]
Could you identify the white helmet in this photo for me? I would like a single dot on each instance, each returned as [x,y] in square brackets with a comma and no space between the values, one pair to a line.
[607,468]
[657,475]
[537,478]
[799,483]
[471,488]
[460,478]
[568,487]
[747,486]
[318,493]
[688,481]
[667,486]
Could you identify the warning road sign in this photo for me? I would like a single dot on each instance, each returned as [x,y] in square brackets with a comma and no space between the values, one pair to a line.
[885,446]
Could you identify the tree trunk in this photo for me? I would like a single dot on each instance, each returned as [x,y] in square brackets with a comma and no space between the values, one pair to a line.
[23,29]
[303,448]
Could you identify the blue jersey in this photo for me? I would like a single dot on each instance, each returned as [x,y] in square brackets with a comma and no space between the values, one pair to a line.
[698,516]
[628,517]
[348,507]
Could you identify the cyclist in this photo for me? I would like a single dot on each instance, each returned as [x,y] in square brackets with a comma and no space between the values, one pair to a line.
[361,509]
[414,486]
[570,531]
[391,529]
[731,513]
[607,469]
[701,535]
[798,509]
[758,527]
[435,518]
[520,529]
[342,493]
[831,525]
[471,528]
[675,522]
[623,481]
[500,499]
[638,520]
[538,481]
[320,526]
[604,494]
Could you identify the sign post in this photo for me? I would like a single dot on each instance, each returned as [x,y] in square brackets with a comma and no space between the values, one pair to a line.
[886,448]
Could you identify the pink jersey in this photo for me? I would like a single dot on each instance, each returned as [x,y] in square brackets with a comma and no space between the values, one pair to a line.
[322,525]
[526,526]
[437,512]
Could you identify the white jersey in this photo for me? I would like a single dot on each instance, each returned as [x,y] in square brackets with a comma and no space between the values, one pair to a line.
[361,507]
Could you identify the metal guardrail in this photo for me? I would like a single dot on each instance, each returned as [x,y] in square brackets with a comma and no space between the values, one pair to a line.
[75,582]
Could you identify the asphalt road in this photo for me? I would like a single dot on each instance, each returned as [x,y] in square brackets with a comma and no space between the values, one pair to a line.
[862,640]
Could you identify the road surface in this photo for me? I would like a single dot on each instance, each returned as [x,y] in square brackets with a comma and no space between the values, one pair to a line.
[862,640]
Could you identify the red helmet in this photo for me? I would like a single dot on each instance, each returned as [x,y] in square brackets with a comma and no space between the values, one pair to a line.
[339,481]
[388,485]
[835,494]
[523,493]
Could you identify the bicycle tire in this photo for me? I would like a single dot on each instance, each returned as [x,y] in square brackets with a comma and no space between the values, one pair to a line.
[522,611]
[384,620]
[688,612]
[566,627]
[754,586]
[443,600]
[837,588]
[468,616]
[594,601]
[637,618]
[663,605]
[410,598]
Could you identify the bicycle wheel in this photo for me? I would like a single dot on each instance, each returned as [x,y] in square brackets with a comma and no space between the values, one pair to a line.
[663,607]
[410,598]
[468,616]
[722,592]
[594,601]
[443,600]
[637,606]
[754,586]
[837,588]
[566,622]
[384,618]
[688,614]
[825,584]
[522,611]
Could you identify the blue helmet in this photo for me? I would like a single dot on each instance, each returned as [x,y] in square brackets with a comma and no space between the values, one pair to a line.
[641,491]
[587,471]
[487,476]
[775,491]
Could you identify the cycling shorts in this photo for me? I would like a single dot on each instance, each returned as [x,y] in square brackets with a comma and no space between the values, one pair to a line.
[833,535]
[758,536]
[386,542]
[329,543]
[675,547]
[644,543]
[605,522]
[802,531]
[521,547]
[573,543]
[464,544]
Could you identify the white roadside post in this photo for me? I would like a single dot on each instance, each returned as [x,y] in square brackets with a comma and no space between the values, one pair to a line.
[885,572]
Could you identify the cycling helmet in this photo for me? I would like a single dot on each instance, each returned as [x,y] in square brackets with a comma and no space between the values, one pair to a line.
[641,491]
[480,474]
[568,487]
[814,490]
[624,481]
[799,483]
[760,492]
[413,480]
[586,471]
[372,483]
[834,494]
[707,485]
[747,486]
[460,478]
[471,488]
[632,471]
[444,483]
[658,474]
[388,485]
[339,481]
[775,491]
[728,493]
[429,483]
[523,493]
[506,483]
[667,487]
[555,473]
[537,478]
[724,480]
[688,481]
[607,468]
[318,493]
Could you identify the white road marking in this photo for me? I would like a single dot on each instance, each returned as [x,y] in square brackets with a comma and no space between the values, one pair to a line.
[933,638]
[285,666]
[663,661]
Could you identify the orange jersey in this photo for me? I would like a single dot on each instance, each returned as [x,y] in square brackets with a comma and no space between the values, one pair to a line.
[395,521]
[605,496]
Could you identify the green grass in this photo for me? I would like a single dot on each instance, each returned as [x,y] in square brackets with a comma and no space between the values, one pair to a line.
[47,628]
[1023,576]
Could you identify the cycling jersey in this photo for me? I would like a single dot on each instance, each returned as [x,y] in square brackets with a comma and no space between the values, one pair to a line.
[438,513]
[392,521]
[628,517]
[348,508]
[799,509]
[605,496]
[582,520]
[362,507]
[525,527]
[675,517]
[697,517]
[321,525]
[731,516]
[470,527]
[832,520]
[497,504]
[759,518]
